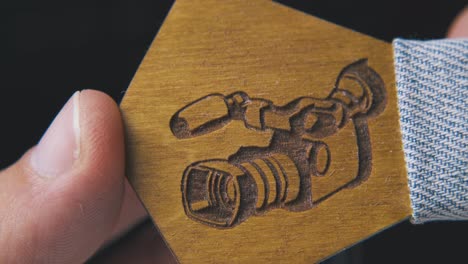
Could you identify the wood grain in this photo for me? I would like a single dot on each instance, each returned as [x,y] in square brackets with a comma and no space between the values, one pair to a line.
[273,55]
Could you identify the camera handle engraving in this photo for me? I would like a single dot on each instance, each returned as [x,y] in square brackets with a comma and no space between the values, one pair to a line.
[223,193]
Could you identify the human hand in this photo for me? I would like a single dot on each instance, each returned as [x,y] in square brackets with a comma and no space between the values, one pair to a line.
[67,196]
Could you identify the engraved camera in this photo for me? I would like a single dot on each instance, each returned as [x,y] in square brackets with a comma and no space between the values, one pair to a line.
[223,193]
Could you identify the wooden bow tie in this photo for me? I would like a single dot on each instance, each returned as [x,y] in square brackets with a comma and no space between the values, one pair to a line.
[257,133]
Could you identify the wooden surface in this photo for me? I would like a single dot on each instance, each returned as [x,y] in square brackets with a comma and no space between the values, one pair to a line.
[195,102]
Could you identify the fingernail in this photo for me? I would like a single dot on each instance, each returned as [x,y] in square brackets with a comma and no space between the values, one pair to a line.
[59,147]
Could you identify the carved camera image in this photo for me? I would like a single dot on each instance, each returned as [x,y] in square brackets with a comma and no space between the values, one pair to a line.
[223,193]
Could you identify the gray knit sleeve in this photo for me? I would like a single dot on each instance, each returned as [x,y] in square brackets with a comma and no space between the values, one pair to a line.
[432,81]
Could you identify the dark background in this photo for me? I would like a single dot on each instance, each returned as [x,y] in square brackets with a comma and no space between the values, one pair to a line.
[49,50]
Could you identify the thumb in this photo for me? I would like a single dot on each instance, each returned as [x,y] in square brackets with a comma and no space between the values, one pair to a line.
[59,202]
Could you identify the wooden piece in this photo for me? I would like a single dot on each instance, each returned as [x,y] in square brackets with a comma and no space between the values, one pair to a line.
[257,133]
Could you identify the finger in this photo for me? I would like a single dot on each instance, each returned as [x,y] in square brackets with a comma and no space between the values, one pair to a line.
[60,201]
[143,244]
[459,27]
[131,213]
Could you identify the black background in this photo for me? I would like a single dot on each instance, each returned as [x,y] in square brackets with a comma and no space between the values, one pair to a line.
[50,49]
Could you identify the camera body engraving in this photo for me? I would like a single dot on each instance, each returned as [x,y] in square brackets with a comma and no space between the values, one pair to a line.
[223,193]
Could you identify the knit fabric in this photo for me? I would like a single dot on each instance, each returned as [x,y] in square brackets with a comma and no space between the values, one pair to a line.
[432,81]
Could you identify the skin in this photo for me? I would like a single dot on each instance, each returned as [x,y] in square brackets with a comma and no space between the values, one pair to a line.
[68,217]
[459,27]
